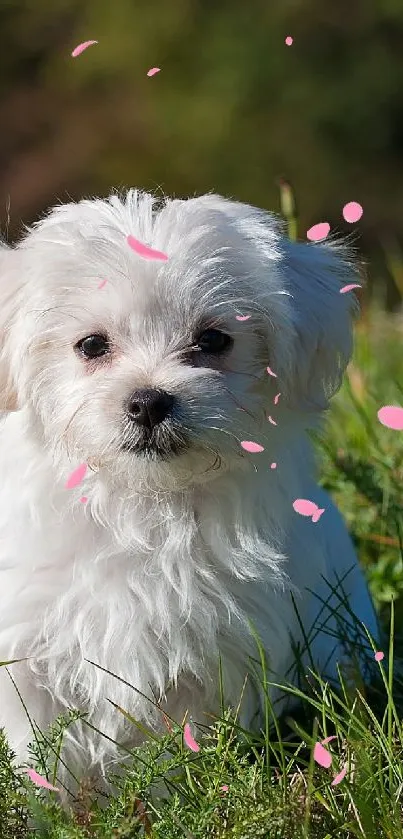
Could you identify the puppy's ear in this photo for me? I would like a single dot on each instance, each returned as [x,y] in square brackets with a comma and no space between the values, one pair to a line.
[321,318]
[308,322]
[9,288]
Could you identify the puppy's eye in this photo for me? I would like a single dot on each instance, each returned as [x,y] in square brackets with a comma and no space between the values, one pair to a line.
[213,341]
[93,346]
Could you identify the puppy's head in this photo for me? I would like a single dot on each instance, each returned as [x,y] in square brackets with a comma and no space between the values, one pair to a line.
[155,371]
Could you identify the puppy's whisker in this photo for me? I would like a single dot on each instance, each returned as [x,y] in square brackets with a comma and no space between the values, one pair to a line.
[217,463]
[216,466]
[242,373]
[224,431]
[239,403]
[63,308]
[63,436]
[117,439]
[217,417]
[253,307]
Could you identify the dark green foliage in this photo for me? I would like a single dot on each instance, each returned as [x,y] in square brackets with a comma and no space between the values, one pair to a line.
[232,109]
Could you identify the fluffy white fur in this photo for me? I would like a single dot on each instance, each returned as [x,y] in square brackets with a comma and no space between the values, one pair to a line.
[169,560]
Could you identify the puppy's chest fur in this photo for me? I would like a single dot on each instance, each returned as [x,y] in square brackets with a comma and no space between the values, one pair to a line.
[137,586]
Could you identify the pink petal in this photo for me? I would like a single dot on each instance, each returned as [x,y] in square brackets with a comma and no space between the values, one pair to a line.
[189,739]
[276,398]
[242,317]
[349,287]
[318,231]
[83,499]
[316,516]
[102,283]
[249,446]
[322,756]
[340,776]
[379,656]
[39,781]
[144,250]
[76,477]
[328,739]
[289,40]
[224,788]
[271,420]
[153,71]
[81,47]
[305,507]
[391,416]
[352,212]
[270,372]
[273,466]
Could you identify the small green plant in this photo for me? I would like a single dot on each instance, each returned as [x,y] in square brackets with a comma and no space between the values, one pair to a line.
[241,785]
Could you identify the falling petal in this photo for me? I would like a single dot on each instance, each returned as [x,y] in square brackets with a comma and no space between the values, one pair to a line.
[39,781]
[76,477]
[224,788]
[305,507]
[322,756]
[328,739]
[271,420]
[316,516]
[83,499]
[349,287]
[276,398]
[340,776]
[242,317]
[318,231]
[153,71]
[270,372]
[273,466]
[352,212]
[289,40]
[379,656]
[391,416]
[249,446]
[102,283]
[144,250]
[189,739]
[81,47]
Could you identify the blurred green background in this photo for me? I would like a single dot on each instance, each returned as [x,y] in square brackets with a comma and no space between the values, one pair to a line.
[232,109]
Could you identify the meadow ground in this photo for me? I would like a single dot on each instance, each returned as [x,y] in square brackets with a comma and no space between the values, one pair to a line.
[242,787]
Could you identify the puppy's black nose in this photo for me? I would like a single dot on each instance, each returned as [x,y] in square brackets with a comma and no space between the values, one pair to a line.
[149,407]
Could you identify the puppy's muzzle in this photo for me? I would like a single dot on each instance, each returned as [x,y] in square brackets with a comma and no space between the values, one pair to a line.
[148,408]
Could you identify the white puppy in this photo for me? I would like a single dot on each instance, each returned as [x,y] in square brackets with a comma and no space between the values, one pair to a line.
[154,380]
